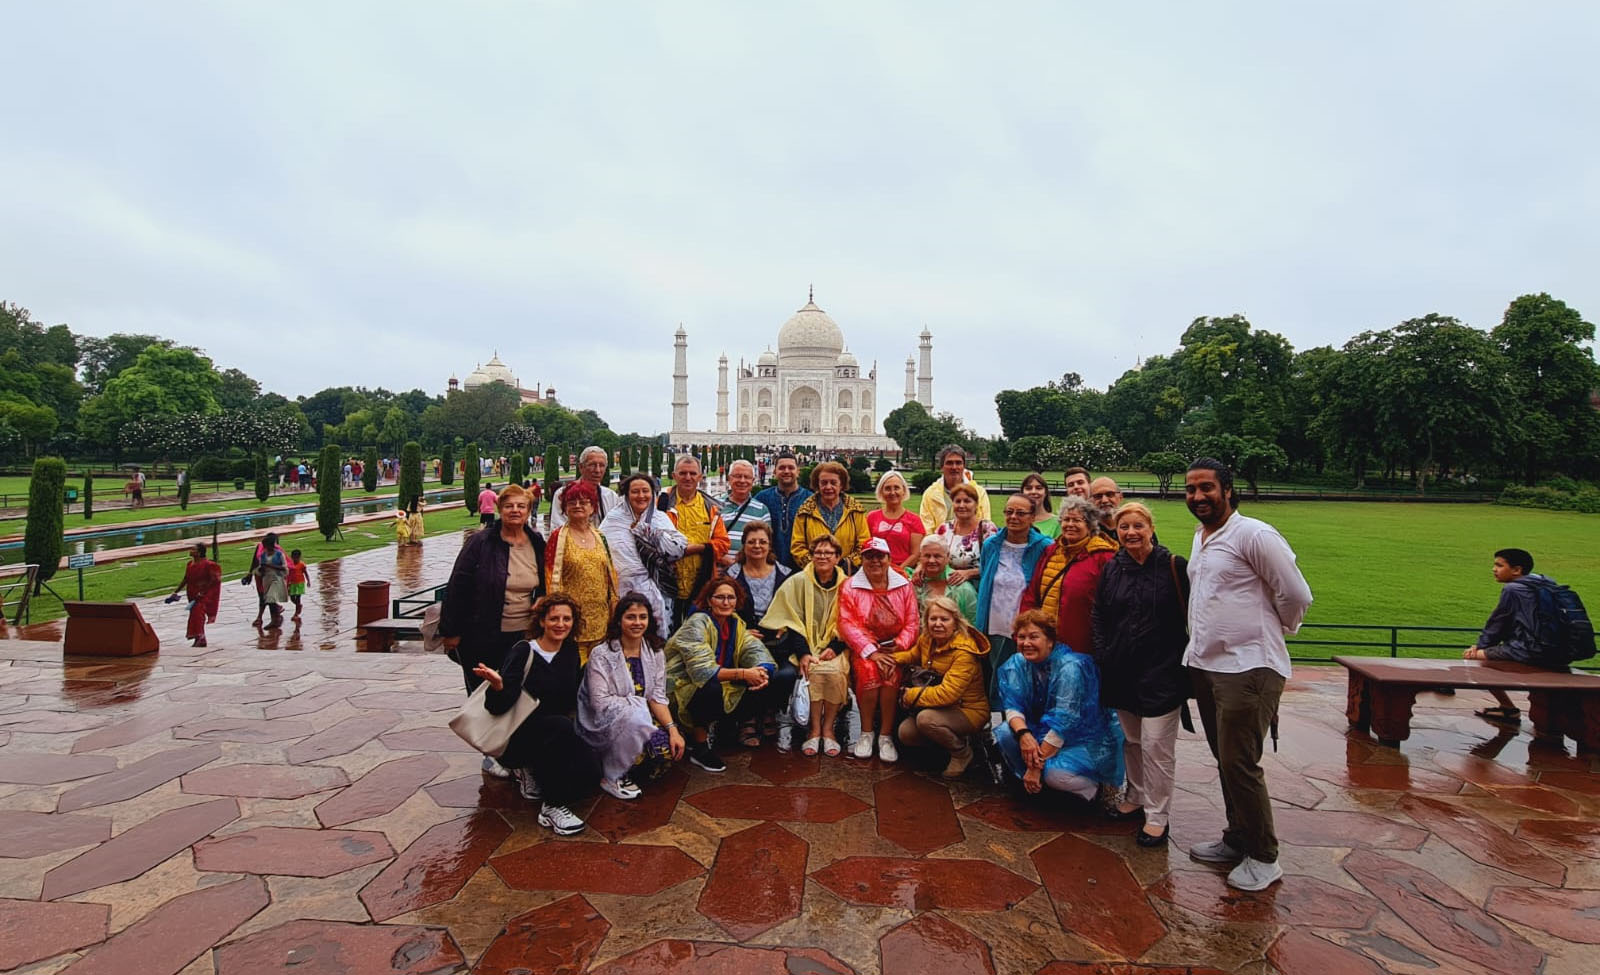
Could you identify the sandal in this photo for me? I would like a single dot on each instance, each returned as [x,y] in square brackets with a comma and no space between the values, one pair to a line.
[748,736]
[769,727]
[809,749]
[830,748]
[1500,714]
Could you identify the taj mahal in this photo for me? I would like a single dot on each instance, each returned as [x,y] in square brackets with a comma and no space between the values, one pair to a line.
[811,391]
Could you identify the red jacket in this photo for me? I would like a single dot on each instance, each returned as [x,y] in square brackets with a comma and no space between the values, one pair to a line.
[1075,603]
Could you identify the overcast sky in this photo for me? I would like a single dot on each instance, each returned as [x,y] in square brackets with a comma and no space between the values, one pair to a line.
[383,193]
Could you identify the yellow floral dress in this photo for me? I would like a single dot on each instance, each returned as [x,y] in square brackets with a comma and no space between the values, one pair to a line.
[586,574]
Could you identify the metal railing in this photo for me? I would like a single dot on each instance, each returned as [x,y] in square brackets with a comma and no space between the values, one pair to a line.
[412,605]
[1390,640]
[1273,492]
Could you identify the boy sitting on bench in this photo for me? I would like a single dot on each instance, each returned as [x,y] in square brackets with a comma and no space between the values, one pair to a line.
[1512,632]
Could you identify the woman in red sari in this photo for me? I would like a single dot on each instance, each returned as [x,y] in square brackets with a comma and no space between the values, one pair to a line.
[202,581]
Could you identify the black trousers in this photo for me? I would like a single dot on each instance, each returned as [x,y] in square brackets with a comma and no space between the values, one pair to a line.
[706,709]
[491,651]
[548,746]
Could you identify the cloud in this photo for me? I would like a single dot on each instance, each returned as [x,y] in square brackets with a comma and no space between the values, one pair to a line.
[384,194]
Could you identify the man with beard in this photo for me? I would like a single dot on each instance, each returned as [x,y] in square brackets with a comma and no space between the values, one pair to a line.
[1246,593]
[782,501]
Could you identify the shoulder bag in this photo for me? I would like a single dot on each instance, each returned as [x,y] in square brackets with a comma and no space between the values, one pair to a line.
[490,733]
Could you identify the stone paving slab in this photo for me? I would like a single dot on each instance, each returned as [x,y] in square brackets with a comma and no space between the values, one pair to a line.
[276,805]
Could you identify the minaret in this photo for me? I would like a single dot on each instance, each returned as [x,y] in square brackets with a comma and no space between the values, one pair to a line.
[680,381]
[911,379]
[722,393]
[925,373]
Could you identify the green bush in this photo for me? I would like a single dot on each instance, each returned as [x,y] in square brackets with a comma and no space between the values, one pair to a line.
[370,465]
[805,475]
[447,465]
[263,484]
[860,482]
[552,476]
[330,513]
[471,465]
[43,542]
[238,484]
[882,464]
[211,469]
[922,480]
[88,495]
[410,474]
[1586,499]
[859,463]
[184,488]
[519,467]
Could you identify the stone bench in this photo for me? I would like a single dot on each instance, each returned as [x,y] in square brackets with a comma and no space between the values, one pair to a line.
[1383,689]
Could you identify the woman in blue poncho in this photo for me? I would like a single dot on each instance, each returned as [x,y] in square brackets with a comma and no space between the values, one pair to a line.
[1055,734]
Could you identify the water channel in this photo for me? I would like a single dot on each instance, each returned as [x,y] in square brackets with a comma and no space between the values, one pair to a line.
[291,517]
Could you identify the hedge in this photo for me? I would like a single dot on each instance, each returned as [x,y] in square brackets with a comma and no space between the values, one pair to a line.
[370,466]
[471,468]
[88,495]
[410,474]
[330,512]
[263,485]
[447,465]
[43,542]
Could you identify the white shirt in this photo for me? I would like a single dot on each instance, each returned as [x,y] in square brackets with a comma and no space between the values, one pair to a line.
[1246,592]
[610,501]
[1005,596]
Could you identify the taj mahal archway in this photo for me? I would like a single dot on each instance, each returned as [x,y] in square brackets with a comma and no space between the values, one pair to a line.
[805,410]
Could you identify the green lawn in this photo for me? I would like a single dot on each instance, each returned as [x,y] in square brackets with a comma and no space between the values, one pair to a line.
[118,516]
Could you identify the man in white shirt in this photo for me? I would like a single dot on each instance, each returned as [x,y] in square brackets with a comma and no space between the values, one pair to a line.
[1246,593]
[592,465]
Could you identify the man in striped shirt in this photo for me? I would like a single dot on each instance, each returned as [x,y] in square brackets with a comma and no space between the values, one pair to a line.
[740,507]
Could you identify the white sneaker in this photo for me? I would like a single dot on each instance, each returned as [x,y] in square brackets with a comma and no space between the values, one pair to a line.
[886,749]
[621,788]
[863,747]
[785,738]
[526,783]
[1217,851]
[1252,874]
[560,819]
[491,766]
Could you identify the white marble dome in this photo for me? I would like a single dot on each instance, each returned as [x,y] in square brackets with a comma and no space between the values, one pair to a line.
[847,359]
[768,358]
[810,339]
[493,371]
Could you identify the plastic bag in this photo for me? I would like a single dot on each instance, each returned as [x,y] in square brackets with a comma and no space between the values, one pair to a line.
[800,703]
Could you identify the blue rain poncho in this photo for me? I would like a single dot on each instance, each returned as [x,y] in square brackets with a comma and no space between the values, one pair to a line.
[1059,698]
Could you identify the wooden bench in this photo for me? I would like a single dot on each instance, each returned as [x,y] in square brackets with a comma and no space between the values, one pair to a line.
[380,635]
[1383,689]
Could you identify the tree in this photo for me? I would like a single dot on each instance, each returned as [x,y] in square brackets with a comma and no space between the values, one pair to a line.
[192,434]
[1098,451]
[88,495]
[552,477]
[183,491]
[162,382]
[471,414]
[471,470]
[1043,411]
[104,359]
[1551,375]
[330,505]
[370,465]
[410,474]
[1165,465]
[1144,407]
[43,542]
[394,430]
[263,484]
[237,391]
[1026,451]
[34,425]
[1240,372]
[519,467]
[447,464]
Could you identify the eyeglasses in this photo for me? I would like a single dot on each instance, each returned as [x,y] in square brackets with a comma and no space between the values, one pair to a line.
[721,596]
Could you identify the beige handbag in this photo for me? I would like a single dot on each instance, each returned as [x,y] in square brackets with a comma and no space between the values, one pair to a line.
[490,733]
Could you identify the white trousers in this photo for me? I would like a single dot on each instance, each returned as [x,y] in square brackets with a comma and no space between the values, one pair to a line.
[1150,752]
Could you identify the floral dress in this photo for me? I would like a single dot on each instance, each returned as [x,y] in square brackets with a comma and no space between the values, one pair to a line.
[656,758]
[966,549]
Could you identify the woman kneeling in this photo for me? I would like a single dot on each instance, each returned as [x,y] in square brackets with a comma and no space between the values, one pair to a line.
[712,662]
[622,712]
[545,753]
[1055,733]
[947,701]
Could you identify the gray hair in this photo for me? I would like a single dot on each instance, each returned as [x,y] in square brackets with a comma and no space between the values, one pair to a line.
[741,462]
[594,449]
[1083,506]
[949,449]
[679,460]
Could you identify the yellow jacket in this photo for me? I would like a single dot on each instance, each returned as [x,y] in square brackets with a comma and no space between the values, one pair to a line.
[852,532]
[960,662]
[935,508]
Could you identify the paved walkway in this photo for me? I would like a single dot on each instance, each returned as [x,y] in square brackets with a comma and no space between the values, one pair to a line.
[243,809]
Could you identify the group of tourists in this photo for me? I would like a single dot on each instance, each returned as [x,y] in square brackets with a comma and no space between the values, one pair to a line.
[1067,641]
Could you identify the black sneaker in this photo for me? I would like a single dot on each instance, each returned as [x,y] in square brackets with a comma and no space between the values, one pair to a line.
[703,756]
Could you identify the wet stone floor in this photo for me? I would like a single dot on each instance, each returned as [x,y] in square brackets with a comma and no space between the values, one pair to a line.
[249,809]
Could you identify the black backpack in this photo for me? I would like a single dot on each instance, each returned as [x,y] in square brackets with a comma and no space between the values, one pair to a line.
[1564,626]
